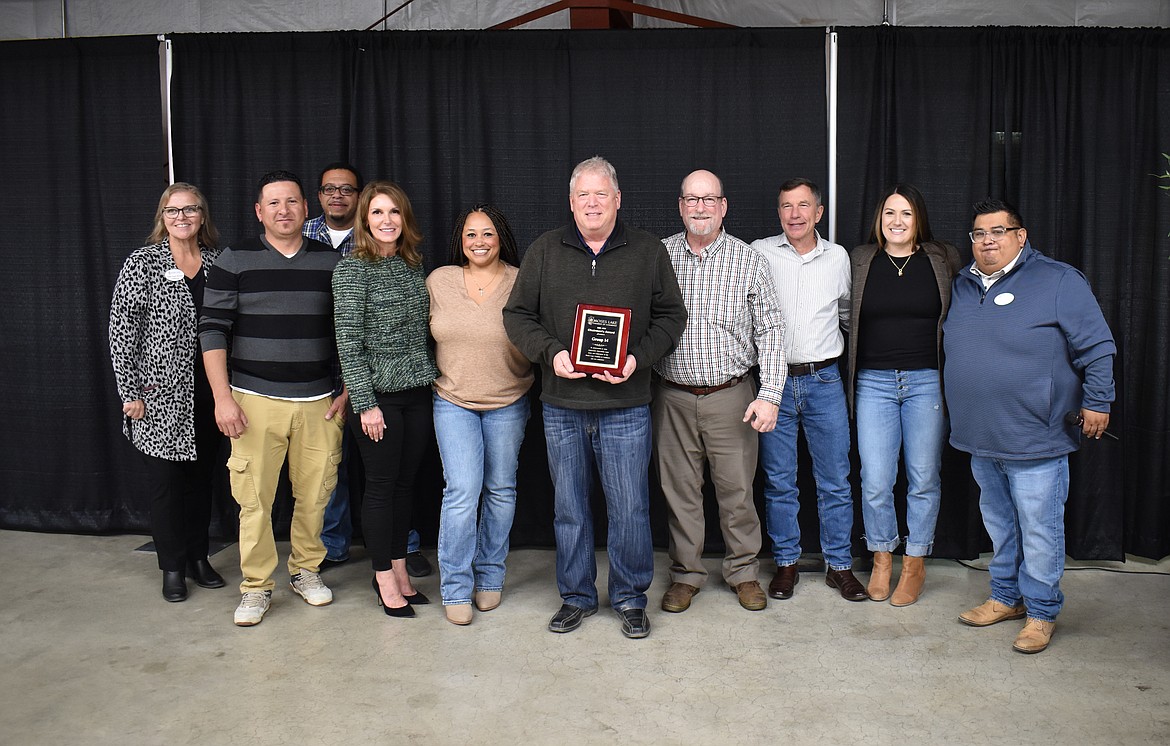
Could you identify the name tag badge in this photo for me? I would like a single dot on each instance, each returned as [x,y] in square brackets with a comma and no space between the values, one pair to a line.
[1004,298]
[174,274]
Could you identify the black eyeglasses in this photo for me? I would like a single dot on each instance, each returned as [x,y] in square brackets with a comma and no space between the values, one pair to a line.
[331,189]
[189,210]
[708,201]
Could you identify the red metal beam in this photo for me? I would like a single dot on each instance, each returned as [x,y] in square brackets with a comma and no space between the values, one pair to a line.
[607,14]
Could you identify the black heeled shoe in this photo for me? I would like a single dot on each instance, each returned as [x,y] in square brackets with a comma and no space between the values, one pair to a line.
[401,611]
[174,587]
[418,599]
[204,574]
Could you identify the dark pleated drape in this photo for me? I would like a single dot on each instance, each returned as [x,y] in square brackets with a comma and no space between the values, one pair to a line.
[1069,123]
[463,117]
[84,162]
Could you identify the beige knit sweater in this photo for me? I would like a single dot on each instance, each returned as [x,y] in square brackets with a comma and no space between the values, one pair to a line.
[479,368]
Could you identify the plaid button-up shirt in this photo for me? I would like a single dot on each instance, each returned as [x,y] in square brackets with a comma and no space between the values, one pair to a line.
[733,317]
[316,228]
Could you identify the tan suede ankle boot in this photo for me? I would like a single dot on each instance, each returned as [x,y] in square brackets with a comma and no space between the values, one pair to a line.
[879,577]
[910,582]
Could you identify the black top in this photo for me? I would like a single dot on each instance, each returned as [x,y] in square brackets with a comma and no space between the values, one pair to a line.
[899,316]
[195,285]
[202,387]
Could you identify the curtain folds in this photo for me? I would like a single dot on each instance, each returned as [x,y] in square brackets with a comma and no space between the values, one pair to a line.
[84,164]
[1067,123]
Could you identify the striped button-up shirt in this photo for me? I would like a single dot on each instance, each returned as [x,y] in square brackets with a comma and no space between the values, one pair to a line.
[733,317]
[814,296]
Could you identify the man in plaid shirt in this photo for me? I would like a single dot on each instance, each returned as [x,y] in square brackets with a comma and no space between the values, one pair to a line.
[706,409]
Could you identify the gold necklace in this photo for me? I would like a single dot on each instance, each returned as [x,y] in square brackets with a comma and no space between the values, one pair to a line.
[903,267]
[495,276]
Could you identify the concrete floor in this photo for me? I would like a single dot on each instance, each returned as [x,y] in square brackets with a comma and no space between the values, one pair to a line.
[91,654]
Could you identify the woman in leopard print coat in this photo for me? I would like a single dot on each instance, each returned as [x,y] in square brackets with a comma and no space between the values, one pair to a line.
[168,411]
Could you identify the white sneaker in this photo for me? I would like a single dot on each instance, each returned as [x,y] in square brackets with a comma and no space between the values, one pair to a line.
[310,587]
[252,607]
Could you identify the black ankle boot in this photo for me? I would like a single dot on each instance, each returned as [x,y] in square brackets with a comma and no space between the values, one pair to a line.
[204,574]
[174,587]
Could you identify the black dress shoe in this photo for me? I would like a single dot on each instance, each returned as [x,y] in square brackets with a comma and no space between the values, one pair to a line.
[635,623]
[402,612]
[204,574]
[328,562]
[417,565]
[174,587]
[850,587]
[417,599]
[568,618]
[784,583]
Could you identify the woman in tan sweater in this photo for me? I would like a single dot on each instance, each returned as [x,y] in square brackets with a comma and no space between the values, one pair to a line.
[480,408]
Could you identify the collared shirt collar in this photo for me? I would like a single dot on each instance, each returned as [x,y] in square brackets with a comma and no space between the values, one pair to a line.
[711,248]
[612,240]
[815,251]
[991,279]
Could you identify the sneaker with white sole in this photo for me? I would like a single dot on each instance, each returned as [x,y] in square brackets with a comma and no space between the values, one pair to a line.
[309,586]
[252,607]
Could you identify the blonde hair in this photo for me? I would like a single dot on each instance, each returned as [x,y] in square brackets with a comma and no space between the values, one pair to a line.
[208,235]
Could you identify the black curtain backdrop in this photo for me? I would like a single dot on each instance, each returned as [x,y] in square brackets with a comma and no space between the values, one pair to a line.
[1068,124]
[84,162]
[462,117]
[1064,122]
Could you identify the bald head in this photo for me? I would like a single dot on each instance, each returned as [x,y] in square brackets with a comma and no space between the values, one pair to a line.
[704,218]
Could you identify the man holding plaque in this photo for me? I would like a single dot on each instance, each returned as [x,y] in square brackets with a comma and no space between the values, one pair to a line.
[706,409]
[595,304]
[813,278]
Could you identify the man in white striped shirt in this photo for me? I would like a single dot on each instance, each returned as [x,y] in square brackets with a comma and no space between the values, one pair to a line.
[813,281]
[706,410]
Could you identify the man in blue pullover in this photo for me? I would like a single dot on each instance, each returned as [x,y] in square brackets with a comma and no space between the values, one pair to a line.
[1029,369]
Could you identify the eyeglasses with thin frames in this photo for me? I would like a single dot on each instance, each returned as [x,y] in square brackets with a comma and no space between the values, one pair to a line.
[331,189]
[709,201]
[997,233]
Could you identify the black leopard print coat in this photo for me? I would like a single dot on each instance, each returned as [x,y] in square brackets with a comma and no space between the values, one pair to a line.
[152,346]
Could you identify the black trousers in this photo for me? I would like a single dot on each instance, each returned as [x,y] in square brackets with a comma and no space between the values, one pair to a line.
[180,496]
[391,467]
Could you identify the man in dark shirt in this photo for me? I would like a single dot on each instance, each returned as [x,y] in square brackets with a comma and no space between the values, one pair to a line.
[270,302]
[597,260]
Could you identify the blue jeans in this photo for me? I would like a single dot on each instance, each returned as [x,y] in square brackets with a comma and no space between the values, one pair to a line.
[900,411]
[1023,510]
[337,531]
[816,402]
[479,449]
[619,441]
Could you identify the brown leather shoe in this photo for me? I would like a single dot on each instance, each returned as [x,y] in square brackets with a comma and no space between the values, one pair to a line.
[751,595]
[678,597]
[911,581]
[879,579]
[1035,636]
[991,612]
[784,583]
[844,581]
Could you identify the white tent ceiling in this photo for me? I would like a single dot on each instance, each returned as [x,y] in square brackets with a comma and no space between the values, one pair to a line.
[27,19]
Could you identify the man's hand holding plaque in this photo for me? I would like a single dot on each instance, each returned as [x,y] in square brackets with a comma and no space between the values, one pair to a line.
[601,336]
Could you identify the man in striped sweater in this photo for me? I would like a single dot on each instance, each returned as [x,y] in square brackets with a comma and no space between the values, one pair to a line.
[268,317]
